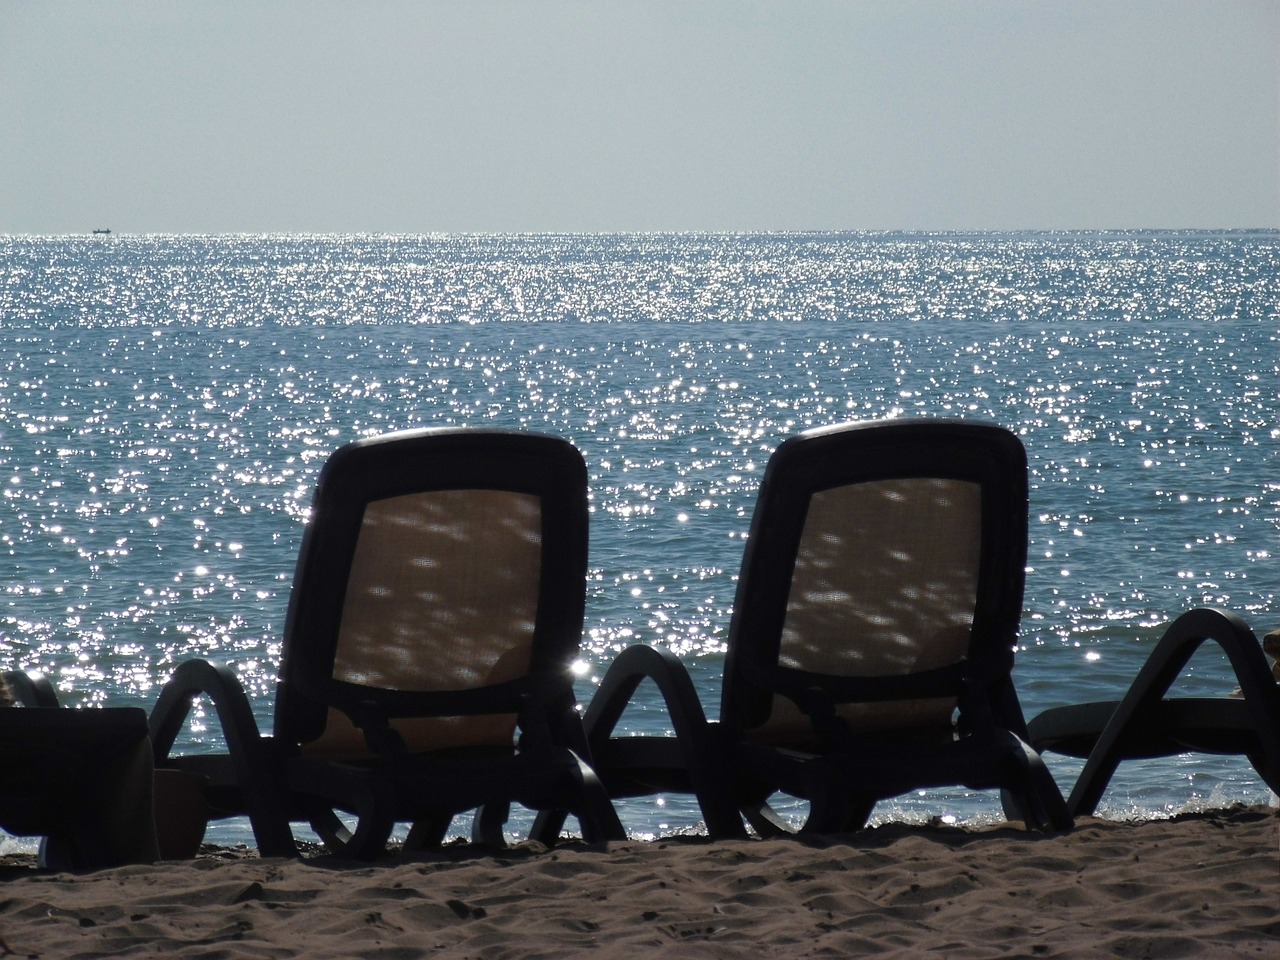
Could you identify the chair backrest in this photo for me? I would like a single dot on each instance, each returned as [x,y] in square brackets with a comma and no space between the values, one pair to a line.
[885,568]
[441,579]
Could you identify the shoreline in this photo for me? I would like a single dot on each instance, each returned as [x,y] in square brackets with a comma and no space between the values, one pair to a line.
[1202,884]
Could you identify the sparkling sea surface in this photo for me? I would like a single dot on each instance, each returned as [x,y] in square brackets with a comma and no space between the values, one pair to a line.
[166,402]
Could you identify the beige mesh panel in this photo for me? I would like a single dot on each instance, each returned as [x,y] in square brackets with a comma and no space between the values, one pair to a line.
[885,584]
[443,595]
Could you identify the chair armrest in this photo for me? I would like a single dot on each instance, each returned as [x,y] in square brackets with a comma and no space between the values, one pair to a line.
[702,755]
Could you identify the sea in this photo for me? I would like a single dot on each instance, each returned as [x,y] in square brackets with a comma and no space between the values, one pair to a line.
[166,403]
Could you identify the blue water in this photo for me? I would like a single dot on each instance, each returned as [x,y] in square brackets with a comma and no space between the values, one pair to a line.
[165,404]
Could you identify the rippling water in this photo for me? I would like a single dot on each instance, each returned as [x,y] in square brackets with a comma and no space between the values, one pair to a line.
[165,404]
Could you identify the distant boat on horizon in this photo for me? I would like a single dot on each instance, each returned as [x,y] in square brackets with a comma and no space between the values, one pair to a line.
[101,230]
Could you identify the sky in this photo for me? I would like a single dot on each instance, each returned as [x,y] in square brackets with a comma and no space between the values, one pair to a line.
[381,116]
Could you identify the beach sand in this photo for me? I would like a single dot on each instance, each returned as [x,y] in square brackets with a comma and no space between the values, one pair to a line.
[1203,885]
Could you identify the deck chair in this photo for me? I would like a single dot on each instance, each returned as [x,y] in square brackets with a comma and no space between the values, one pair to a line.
[80,779]
[30,689]
[879,597]
[435,613]
[1146,723]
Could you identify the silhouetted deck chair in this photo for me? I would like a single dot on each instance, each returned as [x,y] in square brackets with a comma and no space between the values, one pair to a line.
[81,779]
[1148,724]
[880,593]
[436,610]
[30,690]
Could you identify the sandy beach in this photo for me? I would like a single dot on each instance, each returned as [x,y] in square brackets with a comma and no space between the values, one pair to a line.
[1200,885]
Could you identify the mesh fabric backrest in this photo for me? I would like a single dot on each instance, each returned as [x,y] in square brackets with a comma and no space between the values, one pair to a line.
[885,583]
[442,596]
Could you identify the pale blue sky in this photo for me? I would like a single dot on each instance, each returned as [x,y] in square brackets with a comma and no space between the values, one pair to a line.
[604,115]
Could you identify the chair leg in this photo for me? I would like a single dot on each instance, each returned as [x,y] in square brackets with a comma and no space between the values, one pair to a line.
[597,816]
[366,842]
[329,827]
[764,820]
[1268,767]
[831,813]
[429,832]
[487,826]
[547,826]
[1033,794]
[1037,801]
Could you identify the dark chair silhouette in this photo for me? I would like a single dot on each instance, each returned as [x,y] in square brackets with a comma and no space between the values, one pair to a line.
[880,595]
[30,690]
[1146,723]
[435,613]
[81,779]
